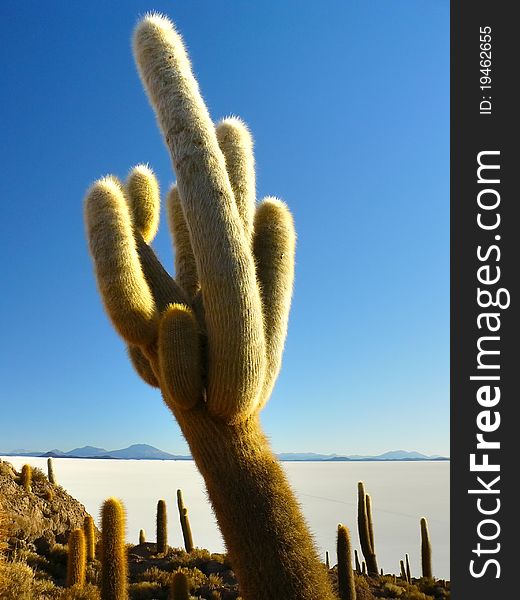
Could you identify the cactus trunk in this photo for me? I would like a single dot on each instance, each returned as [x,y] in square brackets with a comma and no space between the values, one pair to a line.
[162,527]
[426,550]
[114,568]
[77,559]
[50,471]
[364,532]
[185,523]
[90,537]
[346,584]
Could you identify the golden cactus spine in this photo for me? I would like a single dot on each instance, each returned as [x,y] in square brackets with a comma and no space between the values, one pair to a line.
[346,583]
[364,531]
[50,471]
[90,537]
[76,559]
[114,578]
[180,587]
[185,523]
[426,550]
[142,537]
[162,527]
[26,477]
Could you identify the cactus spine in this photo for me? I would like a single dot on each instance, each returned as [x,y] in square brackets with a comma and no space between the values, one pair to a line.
[50,471]
[27,477]
[180,587]
[364,528]
[162,527]
[213,338]
[77,559]
[142,537]
[408,571]
[114,585]
[90,537]
[185,523]
[426,550]
[346,584]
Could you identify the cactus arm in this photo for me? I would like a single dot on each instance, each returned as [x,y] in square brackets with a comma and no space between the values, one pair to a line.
[180,357]
[224,261]
[142,365]
[266,536]
[185,268]
[236,144]
[274,249]
[142,193]
[125,292]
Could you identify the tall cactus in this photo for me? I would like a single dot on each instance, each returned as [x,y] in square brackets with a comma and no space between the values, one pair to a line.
[50,471]
[346,583]
[114,568]
[26,477]
[90,537]
[426,550]
[76,559]
[185,523]
[162,527]
[142,537]
[211,340]
[364,528]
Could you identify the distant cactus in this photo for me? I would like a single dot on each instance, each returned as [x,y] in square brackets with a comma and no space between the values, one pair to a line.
[185,523]
[364,527]
[180,587]
[50,471]
[327,561]
[26,477]
[408,571]
[364,568]
[162,527]
[90,537]
[346,584]
[213,337]
[77,559]
[114,584]
[142,537]
[49,494]
[403,571]
[426,550]
[356,558]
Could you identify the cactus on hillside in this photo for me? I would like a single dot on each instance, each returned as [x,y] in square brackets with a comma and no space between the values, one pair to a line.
[90,537]
[185,523]
[346,583]
[212,339]
[162,527]
[403,571]
[180,587]
[114,568]
[364,528]
[142,537]
[356,560]
[426,550]
[408,571]
[26,477]
[50,471]
[76,559]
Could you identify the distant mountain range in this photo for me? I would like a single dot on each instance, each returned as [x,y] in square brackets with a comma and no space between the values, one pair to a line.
[146,452]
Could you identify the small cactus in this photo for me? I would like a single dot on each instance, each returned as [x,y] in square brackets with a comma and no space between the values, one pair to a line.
[26,477]
[90,537]
[364,568]
[408,571]
[50,471]
[162,529]
[77,559]
[327,561]
[356,558]
[185,523]
[346,584]
[366,530]
[114,585]
[142,537]
[180,587]
[426,550]
[403,571]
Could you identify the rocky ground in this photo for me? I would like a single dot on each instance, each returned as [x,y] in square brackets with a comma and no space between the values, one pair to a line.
[34,529]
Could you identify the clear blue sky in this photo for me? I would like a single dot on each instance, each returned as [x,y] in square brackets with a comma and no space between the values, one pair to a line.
[349,105]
